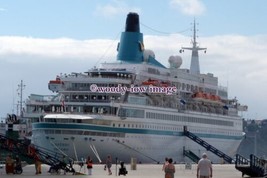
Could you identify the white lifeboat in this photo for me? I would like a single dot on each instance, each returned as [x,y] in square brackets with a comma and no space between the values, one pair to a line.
[151,82]
[56,85]
[201,96]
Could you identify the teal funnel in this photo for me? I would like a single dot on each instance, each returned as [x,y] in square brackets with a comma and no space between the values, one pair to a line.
[130,48]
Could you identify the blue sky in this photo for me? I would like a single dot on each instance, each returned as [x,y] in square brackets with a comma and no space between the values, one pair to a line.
[83,19]
[40,39]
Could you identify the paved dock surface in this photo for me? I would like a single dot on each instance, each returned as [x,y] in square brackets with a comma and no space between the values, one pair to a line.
[142,171]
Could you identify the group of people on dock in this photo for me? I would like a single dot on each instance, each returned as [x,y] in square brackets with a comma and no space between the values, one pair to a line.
[108,164]
[204,167]
[13,166]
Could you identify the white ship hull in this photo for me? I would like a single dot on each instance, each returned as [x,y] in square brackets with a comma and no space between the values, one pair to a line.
[145,150]
[123,142]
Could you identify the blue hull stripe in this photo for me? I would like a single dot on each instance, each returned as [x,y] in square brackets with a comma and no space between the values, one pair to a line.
[59,126]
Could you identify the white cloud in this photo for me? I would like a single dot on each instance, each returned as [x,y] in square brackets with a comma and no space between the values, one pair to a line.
[189,7]
[114,8]
[53,48]
[239,61]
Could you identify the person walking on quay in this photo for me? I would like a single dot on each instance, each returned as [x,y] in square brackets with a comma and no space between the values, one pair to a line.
[65,162]
[169,169]
[9,165]
[18,166]
[89,163]
[37,163]
[204,167]
[109,164]
[165,163]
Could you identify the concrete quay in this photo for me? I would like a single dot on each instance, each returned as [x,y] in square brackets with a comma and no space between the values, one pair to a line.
[142,171]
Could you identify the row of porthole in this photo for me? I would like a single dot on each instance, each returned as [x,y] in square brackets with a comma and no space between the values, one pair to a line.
[145,126]
[187,119]
[176,129]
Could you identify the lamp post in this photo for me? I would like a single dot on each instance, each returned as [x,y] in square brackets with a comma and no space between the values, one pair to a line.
[255,142]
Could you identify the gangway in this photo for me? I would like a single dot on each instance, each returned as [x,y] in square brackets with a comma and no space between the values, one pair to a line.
[207,146]
[191,155]
[255,167]
[30,152]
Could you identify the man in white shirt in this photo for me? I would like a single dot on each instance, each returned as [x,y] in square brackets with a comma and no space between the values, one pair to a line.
[204,167]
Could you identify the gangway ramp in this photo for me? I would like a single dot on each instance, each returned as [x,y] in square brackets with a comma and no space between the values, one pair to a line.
[207,145]
[191,155]
[30,152]
[254,167]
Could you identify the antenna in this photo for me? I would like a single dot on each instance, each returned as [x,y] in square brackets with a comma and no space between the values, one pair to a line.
[20,89]
[194,67]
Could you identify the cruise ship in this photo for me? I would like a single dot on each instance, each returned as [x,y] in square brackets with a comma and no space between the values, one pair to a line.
[136,107]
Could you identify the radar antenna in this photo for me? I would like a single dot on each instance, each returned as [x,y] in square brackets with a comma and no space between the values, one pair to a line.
[194,67]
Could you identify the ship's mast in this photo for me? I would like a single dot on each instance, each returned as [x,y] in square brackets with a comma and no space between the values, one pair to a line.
[194,67]
[20,89]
